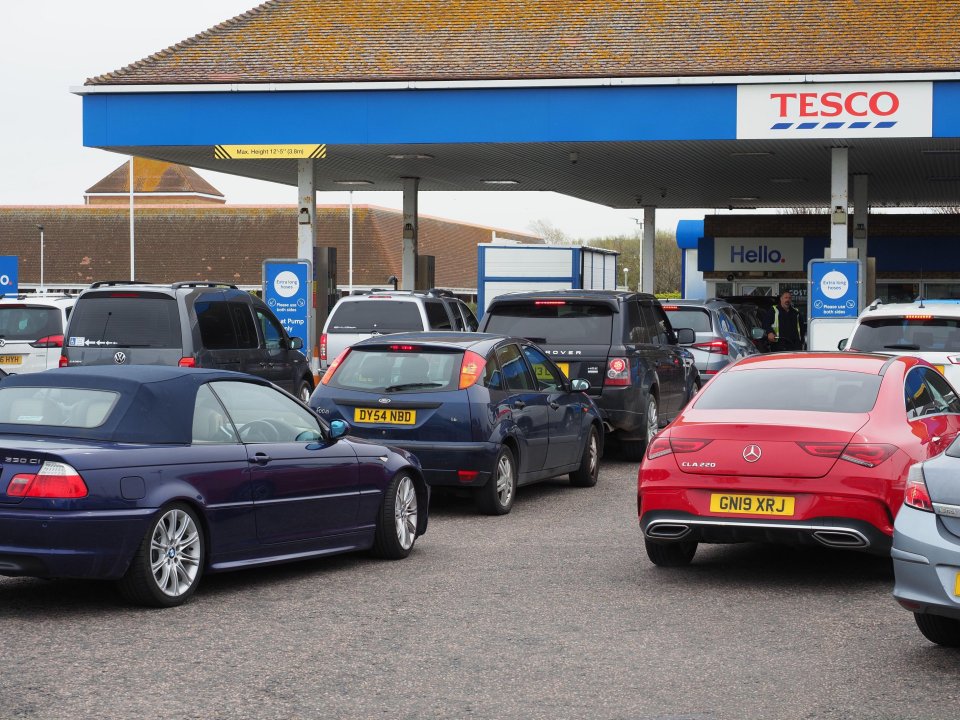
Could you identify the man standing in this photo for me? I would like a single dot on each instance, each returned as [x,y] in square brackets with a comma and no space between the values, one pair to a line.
[783,325]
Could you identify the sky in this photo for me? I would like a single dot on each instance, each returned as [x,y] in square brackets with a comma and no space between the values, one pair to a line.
[49,46]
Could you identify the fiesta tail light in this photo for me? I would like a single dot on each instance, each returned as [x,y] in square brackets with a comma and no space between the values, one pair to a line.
[63,361]
[50,341]
[471,368]
[658,447]
[323,346]
[187,362]
[549,302]
[916,494]
[863,454]
[404,348]
[328,375]
[714,346]
[55,481]
[688,445]
[466,476]
[618,371]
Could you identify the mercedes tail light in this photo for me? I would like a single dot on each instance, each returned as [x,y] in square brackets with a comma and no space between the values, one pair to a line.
[471,369]
[863,454]
[50,341]
[714,346]
[618,371]
[688,445]
[328,375]
[915,493]
[658,447]
[55,480]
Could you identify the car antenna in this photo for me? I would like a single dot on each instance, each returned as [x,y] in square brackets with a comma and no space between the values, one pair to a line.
[921,288]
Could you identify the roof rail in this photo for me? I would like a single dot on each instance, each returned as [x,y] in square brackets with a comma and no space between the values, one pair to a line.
[875,304]
[198,283]
[108,283]
[437,292]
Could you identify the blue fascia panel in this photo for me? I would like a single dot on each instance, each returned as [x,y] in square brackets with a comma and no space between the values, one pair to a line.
[946,109]
[375,117]
[705,254]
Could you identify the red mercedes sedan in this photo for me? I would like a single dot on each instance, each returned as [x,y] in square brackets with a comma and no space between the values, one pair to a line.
[798,448]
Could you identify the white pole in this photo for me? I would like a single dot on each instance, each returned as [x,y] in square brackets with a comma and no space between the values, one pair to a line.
[41,257]
[132,273]
[350,264]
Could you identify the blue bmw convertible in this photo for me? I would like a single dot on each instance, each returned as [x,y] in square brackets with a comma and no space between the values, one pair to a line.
[152,476]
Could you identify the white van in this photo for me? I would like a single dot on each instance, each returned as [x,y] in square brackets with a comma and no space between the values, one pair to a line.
[31,331]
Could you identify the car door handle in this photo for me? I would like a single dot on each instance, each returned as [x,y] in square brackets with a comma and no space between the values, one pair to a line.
[554,405]
[519,405]
[259,459]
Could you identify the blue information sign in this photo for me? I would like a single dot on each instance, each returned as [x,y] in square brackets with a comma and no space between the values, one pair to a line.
[286,291]
[834,289]
[8,275]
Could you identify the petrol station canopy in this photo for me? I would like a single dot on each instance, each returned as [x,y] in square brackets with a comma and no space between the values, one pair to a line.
[667,103]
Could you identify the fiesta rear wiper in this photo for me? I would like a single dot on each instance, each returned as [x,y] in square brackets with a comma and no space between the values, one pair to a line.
[411,386]
[901,346]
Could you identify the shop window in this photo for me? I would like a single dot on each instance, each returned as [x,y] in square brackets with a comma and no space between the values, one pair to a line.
[941,291]
[903,292]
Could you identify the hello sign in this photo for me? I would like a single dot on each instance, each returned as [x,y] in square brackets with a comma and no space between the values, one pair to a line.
[834,110]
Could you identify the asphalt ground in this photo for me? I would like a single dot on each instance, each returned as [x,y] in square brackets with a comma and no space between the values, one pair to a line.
[552,611]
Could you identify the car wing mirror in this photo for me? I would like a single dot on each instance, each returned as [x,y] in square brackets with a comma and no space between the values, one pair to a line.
[842,345]
[339,428]
[757,333]
[296,343]
[579,385]
[685,336]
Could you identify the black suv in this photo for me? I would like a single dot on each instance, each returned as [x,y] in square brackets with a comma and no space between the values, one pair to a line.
[620,342]
[191,324]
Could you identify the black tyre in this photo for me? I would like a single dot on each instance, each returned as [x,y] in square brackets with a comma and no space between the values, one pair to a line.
[496,497]
[588,472]
[304,391]
[397,522]
[634,449]
[168,565]
[938,629]
[674,554]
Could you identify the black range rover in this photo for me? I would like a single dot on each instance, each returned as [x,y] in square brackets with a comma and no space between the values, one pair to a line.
[620,342]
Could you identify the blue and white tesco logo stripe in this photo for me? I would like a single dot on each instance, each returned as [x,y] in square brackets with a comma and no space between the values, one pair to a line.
[9,282]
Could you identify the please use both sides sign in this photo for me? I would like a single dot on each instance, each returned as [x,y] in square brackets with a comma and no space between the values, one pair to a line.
[269,152]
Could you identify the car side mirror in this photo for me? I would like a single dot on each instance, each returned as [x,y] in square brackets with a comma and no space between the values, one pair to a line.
[579,385]
[296,343]
[842,345]
[757,333]
[685,336]
[338,428]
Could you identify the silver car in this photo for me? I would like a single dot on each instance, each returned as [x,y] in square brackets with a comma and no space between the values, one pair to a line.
[926,547]
[721,335]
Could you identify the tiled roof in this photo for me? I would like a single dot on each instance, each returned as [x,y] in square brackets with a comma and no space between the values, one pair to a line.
[154,176]
[376,40]
[225,243]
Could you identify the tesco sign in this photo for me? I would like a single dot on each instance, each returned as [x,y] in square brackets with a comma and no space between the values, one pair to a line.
[835,110]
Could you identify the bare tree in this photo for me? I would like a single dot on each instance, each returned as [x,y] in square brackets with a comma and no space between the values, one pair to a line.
[666,265]
[550,233]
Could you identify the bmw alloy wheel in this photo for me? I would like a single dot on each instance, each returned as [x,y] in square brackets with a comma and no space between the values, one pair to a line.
[175,552]
[405,513]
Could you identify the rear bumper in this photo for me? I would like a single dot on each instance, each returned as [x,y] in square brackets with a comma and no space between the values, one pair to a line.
[666,526]
[622,408]
[93,544]
[442,461]
[926,563]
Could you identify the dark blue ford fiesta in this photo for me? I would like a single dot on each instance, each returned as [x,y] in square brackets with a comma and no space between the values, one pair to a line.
[480,411]
[154,475]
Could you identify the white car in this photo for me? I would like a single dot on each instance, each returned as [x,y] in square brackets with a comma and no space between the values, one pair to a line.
[31,331]
[929,329]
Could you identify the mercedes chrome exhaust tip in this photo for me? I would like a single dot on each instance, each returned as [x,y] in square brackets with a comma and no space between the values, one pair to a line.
[667,531]
[841,538]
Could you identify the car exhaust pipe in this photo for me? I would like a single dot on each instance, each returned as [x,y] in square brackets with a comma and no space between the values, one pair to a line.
[841,538]
[607,427]
[667,531]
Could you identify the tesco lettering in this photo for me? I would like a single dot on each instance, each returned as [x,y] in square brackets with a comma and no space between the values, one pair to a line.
[763,254]
[833,104]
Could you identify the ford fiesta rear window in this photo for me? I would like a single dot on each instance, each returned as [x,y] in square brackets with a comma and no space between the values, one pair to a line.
[390,371]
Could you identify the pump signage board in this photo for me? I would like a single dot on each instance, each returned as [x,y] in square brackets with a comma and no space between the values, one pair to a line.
[834,289]
[835,110]
[745,254]
[8,275]
[287,292]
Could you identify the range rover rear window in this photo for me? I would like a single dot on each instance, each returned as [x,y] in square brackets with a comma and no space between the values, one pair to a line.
[553,324]
[125,319]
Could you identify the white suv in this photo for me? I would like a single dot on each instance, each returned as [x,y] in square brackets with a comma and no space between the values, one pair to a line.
[929,329]
[31,331]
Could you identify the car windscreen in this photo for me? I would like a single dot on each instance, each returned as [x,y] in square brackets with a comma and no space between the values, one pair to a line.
[56,407]
[125,319]
[919,334]
[29,322]
[383,316]
[389,371]
[553,322]
[797,389]
[694,318]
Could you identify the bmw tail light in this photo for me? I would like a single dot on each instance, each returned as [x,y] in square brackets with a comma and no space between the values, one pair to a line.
[63,361]
[658,447]
[618,371]
[714,346]
[328,375]
[323,346]
[471,368]
[54,481]
[50,341]
[187,362]
[915,493]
